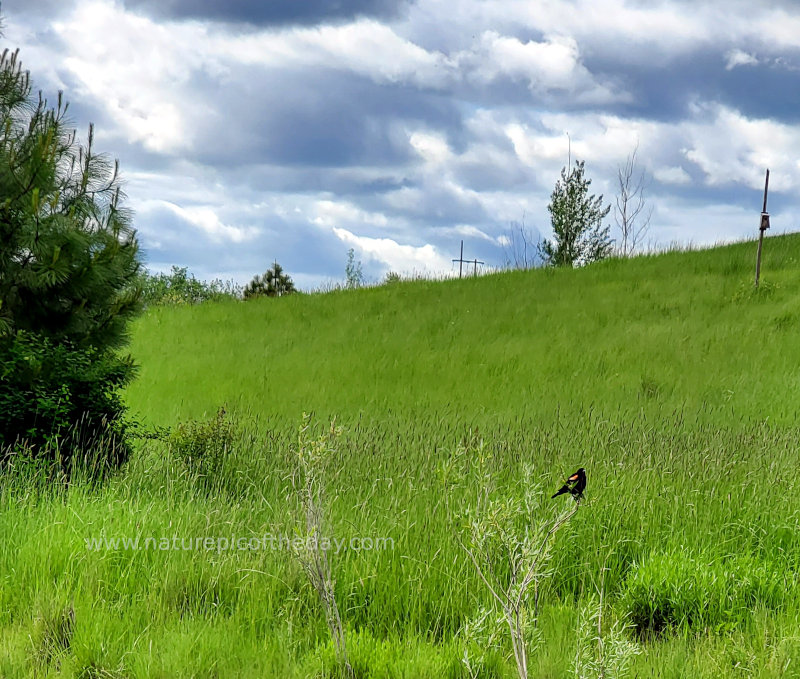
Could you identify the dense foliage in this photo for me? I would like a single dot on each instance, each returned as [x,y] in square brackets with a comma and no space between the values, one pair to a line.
[272,283]
[69,263]
[64,398]
[181,287]
[579,236]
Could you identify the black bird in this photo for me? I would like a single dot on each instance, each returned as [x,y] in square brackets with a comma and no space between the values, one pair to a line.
[575,485]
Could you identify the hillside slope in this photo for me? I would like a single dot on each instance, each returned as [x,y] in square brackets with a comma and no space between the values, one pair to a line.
[676,331]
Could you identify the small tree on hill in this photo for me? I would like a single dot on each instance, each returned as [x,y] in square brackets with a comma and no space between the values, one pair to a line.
[520,246]
[579,236]
[352,271]
[631,211]
[69,266]
[273,283]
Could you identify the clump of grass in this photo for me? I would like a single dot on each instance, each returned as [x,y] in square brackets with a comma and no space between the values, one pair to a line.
[55,635]
[691,592]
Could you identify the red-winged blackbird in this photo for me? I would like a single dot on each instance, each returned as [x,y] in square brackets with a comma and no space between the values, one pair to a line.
[575,485]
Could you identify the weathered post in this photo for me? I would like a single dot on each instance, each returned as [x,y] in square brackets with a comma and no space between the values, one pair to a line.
[460,260]
[762,228]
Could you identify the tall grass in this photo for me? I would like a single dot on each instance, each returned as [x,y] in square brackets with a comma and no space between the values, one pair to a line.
[666,377]
[680,514]
[656,333]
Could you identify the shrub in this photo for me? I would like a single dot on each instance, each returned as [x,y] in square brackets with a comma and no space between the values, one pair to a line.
[62,401]
[682,591]
[579,236]
[180,287]
[203,446]
[391,278]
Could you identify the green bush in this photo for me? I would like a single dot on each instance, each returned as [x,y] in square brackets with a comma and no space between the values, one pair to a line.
[204,445]
[180,287]
[61,402]
[680,591]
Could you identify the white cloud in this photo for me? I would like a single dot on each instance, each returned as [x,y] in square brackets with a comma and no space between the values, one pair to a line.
[554,64]
[737,57]
[332,213]
[731,148]
[672,175]
[432,148]
[133,68]
[140,71]
[709,224]
[205,218]
[471,232]
[365,47]
[532,147]
[397,257]
[628,31]
[725,144]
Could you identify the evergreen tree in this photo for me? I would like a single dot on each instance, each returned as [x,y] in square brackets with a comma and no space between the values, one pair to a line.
[272,283]
[579,236]
[69,263]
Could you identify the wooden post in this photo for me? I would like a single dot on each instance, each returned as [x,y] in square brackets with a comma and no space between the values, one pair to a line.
[762,228]
[461,262]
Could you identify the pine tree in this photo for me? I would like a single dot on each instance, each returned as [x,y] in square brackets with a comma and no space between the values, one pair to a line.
[69,263]
[579,236]
[272,283]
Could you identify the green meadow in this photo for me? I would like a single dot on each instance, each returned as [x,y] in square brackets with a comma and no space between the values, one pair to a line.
[668,377]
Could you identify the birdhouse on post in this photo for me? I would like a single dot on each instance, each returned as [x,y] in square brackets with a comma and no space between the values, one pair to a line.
[761,229]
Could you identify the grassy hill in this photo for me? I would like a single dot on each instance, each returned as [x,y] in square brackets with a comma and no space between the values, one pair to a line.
[667,377]
[683,330]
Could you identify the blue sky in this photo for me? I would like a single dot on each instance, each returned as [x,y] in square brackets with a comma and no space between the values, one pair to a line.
[251,131]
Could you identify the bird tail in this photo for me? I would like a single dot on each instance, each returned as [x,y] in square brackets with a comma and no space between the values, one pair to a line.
[561,491]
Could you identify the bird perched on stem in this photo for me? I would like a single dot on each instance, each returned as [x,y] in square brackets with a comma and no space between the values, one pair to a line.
[575,485]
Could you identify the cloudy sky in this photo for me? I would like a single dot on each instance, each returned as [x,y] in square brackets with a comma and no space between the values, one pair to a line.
[254,130]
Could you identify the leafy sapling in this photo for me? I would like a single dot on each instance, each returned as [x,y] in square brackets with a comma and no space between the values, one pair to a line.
[308,482]
[508,537]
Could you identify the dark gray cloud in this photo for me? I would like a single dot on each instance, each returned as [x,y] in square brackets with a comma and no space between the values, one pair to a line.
[271,12]
[170,240]
[768,90]
[665,91]
[323,118]
[38,8]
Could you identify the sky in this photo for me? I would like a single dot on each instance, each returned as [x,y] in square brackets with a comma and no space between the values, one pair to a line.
[293,130]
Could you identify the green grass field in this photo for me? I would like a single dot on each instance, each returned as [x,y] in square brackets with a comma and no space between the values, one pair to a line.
[672,381]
